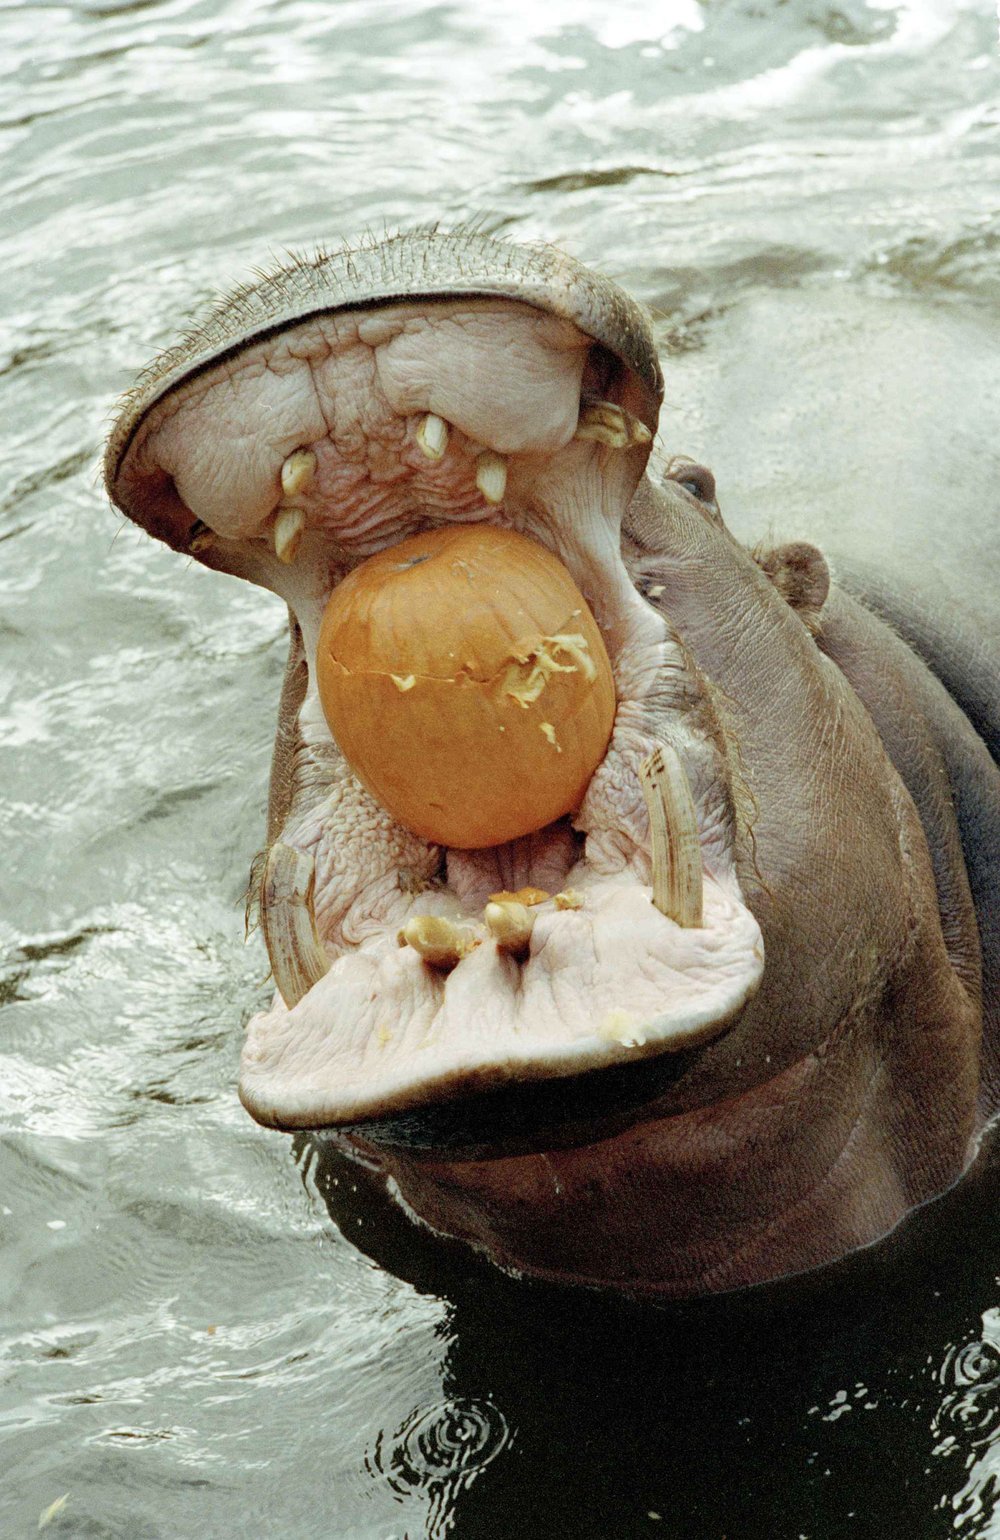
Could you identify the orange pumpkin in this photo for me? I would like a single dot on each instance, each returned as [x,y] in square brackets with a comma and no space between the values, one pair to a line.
[467,684]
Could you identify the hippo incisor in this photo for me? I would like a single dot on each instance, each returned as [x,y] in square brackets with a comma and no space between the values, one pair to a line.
[734,1056]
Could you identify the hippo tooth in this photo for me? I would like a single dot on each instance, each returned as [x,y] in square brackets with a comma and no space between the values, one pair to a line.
[676,847]
[297,472]
[510,924]
[440,942]
[289,924]
[432,436]
[200,537]
[491,476]
[288,527]
[604,423]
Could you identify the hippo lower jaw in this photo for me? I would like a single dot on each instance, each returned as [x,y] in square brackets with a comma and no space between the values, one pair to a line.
[603,978]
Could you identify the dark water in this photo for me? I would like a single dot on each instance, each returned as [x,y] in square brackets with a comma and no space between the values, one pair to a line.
[808,194]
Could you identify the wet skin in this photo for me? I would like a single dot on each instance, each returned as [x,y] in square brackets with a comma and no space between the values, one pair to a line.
[660,1107]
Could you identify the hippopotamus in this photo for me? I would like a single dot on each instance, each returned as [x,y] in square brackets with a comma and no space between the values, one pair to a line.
[734,1015]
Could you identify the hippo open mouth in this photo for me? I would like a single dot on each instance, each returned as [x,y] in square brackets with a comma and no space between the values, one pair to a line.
[333,411]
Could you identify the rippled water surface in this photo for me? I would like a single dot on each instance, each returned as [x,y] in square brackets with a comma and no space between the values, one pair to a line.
[808,194]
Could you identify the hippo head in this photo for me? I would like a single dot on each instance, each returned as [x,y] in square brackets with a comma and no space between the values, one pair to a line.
[704,1029]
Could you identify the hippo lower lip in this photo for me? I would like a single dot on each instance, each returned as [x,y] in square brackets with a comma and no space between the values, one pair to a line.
[353,431]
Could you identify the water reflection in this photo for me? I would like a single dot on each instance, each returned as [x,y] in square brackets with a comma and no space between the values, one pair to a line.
[601,1417]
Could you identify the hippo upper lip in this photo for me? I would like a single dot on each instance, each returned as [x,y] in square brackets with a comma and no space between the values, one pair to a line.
[267,458]
[429,266]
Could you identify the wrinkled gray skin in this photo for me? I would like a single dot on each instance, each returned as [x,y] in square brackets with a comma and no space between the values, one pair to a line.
[854,735]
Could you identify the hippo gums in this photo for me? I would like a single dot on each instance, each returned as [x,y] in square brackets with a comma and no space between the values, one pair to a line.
[632,897]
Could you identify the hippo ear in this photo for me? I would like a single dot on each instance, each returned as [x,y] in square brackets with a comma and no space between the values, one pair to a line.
[800,574]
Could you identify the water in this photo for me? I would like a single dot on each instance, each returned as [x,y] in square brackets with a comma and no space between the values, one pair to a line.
[807,194]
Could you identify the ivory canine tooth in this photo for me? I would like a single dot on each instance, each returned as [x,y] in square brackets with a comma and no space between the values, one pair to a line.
[602,422]
[440,942]
[510,924]
[297,472]
[287,919]
[491,476]
[677,881]
[432,436]
[288,528]
[200,538]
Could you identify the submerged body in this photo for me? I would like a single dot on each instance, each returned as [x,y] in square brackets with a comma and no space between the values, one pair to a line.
[614,1089]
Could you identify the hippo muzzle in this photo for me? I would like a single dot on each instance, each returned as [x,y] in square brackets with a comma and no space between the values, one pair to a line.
[597,986]
[337,433]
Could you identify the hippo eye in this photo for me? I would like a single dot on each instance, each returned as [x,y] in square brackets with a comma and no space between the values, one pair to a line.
[699,481]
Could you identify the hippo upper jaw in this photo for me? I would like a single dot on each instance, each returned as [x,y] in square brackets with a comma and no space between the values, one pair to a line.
[304,451]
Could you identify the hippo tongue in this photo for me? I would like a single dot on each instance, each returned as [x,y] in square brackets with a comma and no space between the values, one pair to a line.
[540,861]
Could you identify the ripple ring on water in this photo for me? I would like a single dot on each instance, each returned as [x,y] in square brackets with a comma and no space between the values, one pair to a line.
[444,1445]
[973,1374]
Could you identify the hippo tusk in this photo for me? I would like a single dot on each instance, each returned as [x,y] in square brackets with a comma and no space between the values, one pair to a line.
[510,924]
[298,960]
[432,436]
[676,847]
[288,527]
[297,472]
[602,422]
[491,476]
[440,942]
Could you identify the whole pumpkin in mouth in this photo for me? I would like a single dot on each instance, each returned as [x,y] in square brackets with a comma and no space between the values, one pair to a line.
[467,684]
